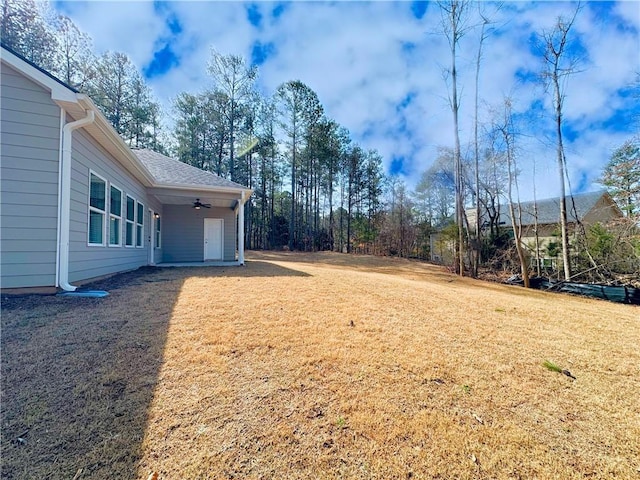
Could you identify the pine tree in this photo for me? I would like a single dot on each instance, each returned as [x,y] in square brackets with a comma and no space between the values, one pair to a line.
[621,176]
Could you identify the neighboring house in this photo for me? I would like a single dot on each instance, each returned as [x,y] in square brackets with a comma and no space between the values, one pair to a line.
[77,203]
[587,208]
[583,208]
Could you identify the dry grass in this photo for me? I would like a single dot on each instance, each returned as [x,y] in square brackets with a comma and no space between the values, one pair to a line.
[320,366]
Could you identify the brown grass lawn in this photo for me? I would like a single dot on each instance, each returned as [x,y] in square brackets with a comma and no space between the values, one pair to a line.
[318,366]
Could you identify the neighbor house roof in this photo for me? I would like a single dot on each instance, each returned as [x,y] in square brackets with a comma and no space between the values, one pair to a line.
[168,171]
[578,207]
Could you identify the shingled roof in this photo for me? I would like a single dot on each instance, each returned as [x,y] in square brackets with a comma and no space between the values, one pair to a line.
[169,171]
[549,209]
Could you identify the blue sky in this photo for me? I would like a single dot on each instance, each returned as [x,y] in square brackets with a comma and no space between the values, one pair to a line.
[379,70]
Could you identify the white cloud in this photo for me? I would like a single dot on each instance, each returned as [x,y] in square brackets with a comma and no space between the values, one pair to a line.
[629,10]
[365,59]
[128,27]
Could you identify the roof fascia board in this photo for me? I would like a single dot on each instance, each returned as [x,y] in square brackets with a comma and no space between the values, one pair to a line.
[204,188]
[58,91]
[127,157]
[62,94]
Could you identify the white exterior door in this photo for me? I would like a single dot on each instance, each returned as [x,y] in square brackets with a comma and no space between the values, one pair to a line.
[213,231]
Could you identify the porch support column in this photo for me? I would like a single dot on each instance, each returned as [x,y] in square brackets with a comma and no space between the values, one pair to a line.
[241,230]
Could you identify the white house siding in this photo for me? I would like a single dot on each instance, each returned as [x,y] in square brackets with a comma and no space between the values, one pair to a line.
[93,261]
[183,234]
[30,138]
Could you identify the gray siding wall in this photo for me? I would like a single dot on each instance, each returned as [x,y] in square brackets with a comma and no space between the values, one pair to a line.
[30,139]
[93,261]
[183,233]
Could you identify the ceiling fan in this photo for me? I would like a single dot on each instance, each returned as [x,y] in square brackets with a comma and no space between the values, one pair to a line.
[198,204]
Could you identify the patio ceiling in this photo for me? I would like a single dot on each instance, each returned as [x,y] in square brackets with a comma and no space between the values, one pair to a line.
[177,197]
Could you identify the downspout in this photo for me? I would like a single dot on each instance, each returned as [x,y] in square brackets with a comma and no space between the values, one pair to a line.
[65,198]
[241,229]
[62,119]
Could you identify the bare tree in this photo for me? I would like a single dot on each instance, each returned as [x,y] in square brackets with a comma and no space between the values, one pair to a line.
[515,211]
[75,53]
[435,191]
[454,15]
[24,29]
[478,227]
[558,64]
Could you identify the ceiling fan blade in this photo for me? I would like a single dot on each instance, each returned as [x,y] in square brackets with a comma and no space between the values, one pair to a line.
[198,204]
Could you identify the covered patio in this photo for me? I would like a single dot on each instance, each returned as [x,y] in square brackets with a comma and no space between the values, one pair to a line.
[202,217]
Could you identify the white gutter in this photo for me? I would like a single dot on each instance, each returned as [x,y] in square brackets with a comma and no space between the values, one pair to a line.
[64,212]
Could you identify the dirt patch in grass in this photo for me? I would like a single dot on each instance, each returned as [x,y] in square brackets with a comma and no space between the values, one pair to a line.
[319,366]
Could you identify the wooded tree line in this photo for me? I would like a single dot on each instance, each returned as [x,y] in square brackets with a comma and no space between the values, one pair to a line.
[316,189]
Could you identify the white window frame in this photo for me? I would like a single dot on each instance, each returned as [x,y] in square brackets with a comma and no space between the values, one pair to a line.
[139,224]
[97,210]
[132,222]
[114,216]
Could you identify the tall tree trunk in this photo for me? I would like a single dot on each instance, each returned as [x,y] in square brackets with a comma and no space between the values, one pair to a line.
[478,229]
[341,223]
[457,164]
[564,230]
[555,51]
[349,205]
[292,222]
[535,223]
[453,16]
[232,161]
[516,220]
[331,219]
[272,206]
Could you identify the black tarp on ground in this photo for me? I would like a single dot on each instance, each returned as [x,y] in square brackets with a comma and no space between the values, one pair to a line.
[613,293]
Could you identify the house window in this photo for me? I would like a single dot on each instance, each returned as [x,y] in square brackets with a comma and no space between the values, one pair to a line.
[97,212]
[115,217]
[158,236]
[139,225]
[129,233]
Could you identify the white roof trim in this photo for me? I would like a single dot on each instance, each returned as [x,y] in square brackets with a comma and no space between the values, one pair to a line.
[58,91]
[66,98]
[132,163]
[204,188]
